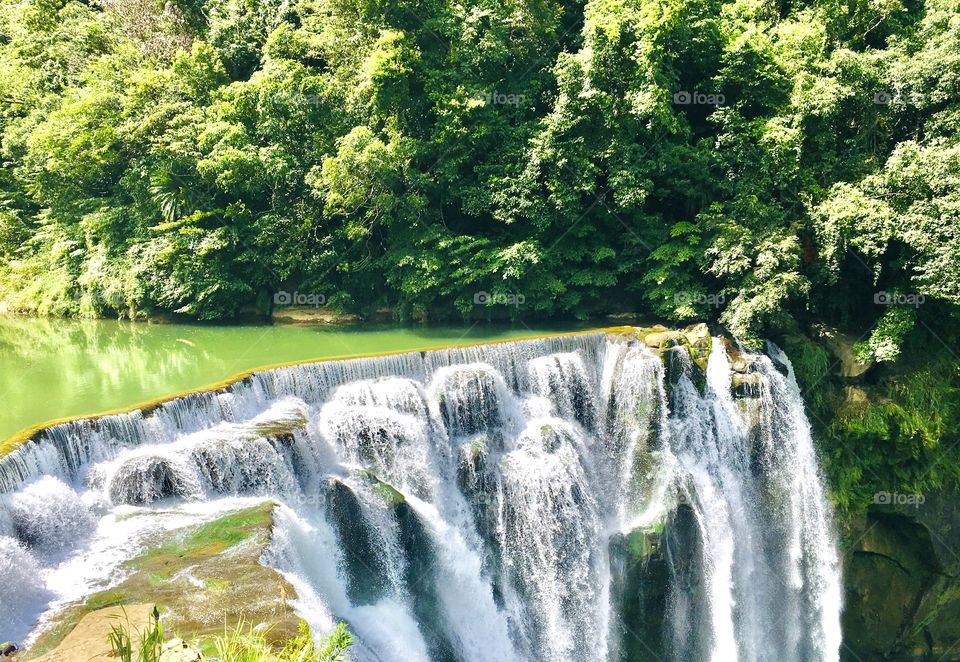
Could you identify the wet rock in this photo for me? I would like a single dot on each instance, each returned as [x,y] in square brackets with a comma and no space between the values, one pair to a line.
[201,577]
[367,581]
[662,338]
[143,480]
[694,341]
[49,515]
[646,566]
[469,401]
[392,497]
[699,343]
[421,576]
[745,386]
[563,380]
[739,362]
[282,427]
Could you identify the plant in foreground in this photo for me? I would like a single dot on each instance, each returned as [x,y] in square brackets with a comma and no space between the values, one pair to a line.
[238,644]
[150,644]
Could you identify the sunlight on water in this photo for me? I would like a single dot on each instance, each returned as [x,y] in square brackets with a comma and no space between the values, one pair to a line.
[51,369]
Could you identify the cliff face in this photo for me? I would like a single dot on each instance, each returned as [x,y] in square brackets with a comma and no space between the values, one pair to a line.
[888,439]
[902,577]
[885,438]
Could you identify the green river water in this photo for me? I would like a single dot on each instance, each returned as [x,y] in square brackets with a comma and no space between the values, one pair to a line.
[51,368]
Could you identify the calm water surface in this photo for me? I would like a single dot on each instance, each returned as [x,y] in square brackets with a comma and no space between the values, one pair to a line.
[50,369]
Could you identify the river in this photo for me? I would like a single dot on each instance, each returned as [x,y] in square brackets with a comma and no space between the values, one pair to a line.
[54,368]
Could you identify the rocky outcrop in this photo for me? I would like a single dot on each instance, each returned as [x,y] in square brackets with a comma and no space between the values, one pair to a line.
[647,565]
[881,427]
[201,578]
[841,346]
[696,338]
[902,577]
[319,315]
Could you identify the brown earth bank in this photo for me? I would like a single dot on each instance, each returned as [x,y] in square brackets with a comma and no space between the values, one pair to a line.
[88,641]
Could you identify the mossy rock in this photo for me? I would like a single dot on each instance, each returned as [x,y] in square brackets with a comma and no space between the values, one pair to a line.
[202,577]
[699,343]
[660,338]
[642,577]
[282,428]
[695,340]
[642,543]
[477,447]
[887,575]
[392,497]
[936,626]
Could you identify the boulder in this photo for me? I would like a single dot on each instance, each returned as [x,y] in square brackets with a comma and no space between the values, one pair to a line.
[661,338]
[841,346]
[698,340]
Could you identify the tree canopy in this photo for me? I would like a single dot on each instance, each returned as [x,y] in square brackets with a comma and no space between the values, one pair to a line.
[750,162]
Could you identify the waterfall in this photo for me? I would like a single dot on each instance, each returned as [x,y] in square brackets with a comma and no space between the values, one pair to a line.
[510,501]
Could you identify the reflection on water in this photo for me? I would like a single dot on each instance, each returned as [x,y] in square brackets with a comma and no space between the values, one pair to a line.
[52,368]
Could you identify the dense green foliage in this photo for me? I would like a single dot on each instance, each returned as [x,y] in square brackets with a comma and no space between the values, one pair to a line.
[895,429]
[746,161]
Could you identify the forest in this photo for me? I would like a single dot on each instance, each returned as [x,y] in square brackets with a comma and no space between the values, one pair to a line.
[752,163]
[766,167]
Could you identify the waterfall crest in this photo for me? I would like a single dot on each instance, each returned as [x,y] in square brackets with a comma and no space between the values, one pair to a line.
[490,502]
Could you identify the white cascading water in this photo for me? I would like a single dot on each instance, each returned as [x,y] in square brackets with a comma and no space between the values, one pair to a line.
[466,504]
